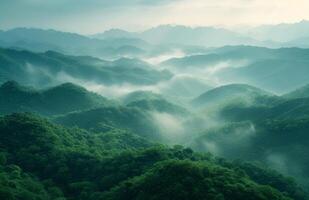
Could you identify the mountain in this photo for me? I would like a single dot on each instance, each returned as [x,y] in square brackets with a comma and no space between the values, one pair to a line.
[139,96]
[201,36]
[37,145]
[159,105]
[39,40]
[234,53]
[234,94]
[128,51]
[291,109]
[262,67]
[76,164]
[274,134]
[223,54]
[302,42]
[183,35]
[50,68]
[115,33]
[130,63]
[189,176]
[57,100]
[291,106]
[43,40]
[104,119]
[284,32]
[149,101]
[272,74]
[282,109]
[69,97]
[302,92]
[277,143]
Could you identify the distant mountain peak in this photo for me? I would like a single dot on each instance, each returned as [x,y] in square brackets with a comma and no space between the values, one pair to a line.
[116,30]
[69,86]
[10,84]
[228,93]
[302,92]
[13,86]
[115,33]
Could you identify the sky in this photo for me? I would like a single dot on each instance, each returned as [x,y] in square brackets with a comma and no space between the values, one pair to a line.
[93,16]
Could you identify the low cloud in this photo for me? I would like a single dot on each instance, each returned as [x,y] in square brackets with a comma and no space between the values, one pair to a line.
[171,126]
[155,60]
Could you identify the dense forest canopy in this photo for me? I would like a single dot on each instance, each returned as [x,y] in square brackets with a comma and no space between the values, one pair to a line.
[47,161]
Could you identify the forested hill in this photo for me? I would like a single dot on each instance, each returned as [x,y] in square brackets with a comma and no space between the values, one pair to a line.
[46,161]
[61,99]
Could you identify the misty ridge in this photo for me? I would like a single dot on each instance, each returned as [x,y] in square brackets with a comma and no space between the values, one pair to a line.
[224,113]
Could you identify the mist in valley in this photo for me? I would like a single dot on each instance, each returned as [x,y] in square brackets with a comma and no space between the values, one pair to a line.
[126,111]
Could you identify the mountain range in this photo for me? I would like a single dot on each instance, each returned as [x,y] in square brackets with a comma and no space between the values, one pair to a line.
[50,68]
[262,67]
[117,42]
[171,112]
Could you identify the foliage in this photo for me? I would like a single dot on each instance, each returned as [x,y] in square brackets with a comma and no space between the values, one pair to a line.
[57,100]
[76,164]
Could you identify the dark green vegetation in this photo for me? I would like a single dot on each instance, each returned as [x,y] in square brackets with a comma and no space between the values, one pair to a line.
[159,105]
[40,160]
[91,147]
[275,133]
[139,96]
[102,119]
[15,184]
[57,100]
[114,130]
[150,101]
[239,94]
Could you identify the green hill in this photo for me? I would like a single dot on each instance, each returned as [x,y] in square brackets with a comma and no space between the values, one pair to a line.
[281,109]
[234,94]
[16,184]
[280,144]
[159,105]
[76,164]
[57,100]
[140,95]
[149,101]
[186,180]
[51,68]
[302,92]
[274,134]
[263,67]
[104,119]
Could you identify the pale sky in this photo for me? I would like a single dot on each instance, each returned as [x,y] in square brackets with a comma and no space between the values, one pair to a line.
[91,16]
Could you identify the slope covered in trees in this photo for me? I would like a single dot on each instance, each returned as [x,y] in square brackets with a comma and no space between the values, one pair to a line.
[56,100]
[50,68]
[75,164]
[275,134]
[240,94]
[103,119]
[94,148]
[302,92]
